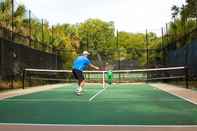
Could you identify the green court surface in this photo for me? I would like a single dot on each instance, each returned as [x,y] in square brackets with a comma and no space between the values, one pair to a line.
[120,104]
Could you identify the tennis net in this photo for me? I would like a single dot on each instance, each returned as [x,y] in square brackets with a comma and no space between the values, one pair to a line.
[119,76]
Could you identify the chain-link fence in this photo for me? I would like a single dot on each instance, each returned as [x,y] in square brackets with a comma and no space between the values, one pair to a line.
[16,57]
[21,26]
[181,50]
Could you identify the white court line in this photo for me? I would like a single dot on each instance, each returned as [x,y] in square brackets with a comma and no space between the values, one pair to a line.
[65,100]
[97,94]
[56,125]
[20,92]
[182,97]
[173,93]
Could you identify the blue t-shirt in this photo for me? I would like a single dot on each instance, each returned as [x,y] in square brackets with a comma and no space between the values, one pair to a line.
[81,63]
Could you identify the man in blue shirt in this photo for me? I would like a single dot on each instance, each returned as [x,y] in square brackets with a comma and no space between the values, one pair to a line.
[79,65]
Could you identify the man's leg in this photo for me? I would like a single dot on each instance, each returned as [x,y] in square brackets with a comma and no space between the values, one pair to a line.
[79,75]
[75,74]
[81,84]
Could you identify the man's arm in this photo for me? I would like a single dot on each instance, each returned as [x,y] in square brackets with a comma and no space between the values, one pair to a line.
[93,66]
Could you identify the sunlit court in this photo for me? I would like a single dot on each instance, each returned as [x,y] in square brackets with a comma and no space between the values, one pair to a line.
[118,104]
[124,103]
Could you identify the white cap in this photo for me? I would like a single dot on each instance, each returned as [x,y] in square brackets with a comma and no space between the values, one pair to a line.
[86,53]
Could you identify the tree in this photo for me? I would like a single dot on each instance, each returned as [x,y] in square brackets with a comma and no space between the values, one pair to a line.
[6,14]
[175,11]
[191,8]
[97,36]
[64,42]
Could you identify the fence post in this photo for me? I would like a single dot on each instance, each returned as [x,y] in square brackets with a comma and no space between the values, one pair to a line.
[117,46]
[12,19]
[42,31]
[23,84]
[147,50]
[30,28]
[187,77]
[162,47]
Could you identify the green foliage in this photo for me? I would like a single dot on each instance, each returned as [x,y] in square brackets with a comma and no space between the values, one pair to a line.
[5,12]
[98,37]
[96,34]
[191,8]
[184,22]
[69,40]
[129,44]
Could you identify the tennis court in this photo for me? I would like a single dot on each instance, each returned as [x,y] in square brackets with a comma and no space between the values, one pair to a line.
[118,104]
[124,104]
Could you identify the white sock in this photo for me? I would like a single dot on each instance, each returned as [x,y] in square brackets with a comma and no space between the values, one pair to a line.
[80,89]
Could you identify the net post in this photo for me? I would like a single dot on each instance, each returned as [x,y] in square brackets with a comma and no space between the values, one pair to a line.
[23,84]
[187,77]
[103,79]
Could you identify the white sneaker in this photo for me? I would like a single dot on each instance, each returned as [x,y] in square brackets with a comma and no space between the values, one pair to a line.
[78,93]
[78,89]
